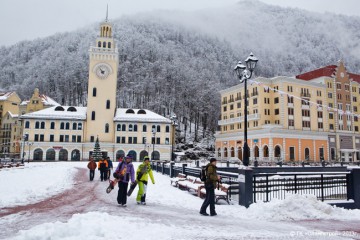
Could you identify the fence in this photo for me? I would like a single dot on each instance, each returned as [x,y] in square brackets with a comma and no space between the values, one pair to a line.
[325,186]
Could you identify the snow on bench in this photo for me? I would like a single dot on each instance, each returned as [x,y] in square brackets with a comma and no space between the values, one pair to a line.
[175,180]
[221,193]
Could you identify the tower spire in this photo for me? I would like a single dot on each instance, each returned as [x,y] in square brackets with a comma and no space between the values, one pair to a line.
[107,11]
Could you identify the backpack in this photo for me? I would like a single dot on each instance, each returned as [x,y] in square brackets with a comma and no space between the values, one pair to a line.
[203,173]
[102,165]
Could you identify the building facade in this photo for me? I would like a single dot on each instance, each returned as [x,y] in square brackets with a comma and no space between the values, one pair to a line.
[68,132]
[309,117]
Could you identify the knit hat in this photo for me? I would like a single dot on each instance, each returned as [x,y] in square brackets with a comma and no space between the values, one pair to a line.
[146,158]
[212,160]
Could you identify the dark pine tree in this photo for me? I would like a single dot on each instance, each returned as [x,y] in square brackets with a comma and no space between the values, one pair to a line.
[97,155]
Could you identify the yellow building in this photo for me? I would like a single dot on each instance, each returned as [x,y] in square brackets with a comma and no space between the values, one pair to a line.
[36,102]
[9,102]
[69,132]
[292,119]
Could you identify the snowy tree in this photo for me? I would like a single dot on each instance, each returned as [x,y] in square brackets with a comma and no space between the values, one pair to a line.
[97,155]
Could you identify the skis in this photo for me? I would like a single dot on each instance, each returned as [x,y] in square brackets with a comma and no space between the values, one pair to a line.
[132,187]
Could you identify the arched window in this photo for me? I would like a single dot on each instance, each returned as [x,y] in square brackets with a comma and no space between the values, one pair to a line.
[277,152]
[232,152]
[132,153]
[27,124]
[94,92]
[75,155]
[153,128]
[130,127]
[225,153]
[167,129]
[50,154]
[118,127]
[219,152]
[144,128]
[67,125]
[120,154]
[109,44]
[123,127]
[38,154]
[74,126]
[256,152]
[307,154]
[63,155]
[52,125]
[104,44]
[80,126]
[42,125]
[106,128]
[143,153]
[155,155]
[37,125]
[62,125]
[93,115]
[135,127]
[99,44]
[158,128]
[107,104]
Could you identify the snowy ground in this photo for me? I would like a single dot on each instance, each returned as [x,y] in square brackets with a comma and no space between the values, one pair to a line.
[86,212]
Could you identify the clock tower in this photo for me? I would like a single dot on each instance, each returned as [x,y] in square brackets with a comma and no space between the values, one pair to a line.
[102,85]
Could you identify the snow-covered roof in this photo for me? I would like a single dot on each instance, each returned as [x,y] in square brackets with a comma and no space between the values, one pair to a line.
[5,95]
[46,100]
[139,115]
[58,112]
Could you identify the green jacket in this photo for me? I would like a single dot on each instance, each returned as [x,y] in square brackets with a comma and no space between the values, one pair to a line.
[211,175]
[145,171]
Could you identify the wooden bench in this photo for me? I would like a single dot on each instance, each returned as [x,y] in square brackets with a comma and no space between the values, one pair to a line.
[175,180]
[221,193]
[195,186]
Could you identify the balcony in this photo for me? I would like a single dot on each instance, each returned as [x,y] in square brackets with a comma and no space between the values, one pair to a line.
[305,95]
[251,117]
[254,94]
[305,106]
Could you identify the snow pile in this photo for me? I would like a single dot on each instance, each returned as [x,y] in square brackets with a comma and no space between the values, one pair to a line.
[35,182]
[300,207]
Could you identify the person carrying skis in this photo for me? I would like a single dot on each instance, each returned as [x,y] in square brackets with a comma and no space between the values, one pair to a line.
[92,166]
[142,176]
[124,172]
[210,184]
[102,166]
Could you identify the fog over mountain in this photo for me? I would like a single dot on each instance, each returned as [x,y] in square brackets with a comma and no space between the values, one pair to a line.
[174,61]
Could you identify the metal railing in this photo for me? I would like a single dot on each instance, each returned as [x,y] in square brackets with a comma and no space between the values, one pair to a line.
[325,186]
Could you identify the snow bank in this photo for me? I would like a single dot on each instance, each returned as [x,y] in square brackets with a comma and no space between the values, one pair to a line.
[35,182]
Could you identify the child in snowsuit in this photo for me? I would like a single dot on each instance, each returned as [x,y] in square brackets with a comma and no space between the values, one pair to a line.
[92,166]
[124,171]
[142,176]
[102,166]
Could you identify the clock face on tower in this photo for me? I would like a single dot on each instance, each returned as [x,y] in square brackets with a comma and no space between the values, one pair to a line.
[102,71]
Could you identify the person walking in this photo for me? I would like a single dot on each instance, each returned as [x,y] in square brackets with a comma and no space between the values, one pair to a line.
[125,172]
[210,184]
[142,176]
[110,167]
[102,166]
[92,166]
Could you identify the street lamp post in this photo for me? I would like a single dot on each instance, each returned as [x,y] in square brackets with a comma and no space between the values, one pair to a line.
[173,124]
[244,73]
[154,134]
[23,147]
[30,144]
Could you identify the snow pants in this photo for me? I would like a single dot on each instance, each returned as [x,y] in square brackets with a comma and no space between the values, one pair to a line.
[141,195]
[122,193]
[209,199]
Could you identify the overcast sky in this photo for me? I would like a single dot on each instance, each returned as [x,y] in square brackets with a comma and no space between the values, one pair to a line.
[29,19]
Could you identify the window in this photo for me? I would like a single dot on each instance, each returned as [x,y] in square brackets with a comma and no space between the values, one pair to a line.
[277,121]
[80,126]
[36,137]
[305,113]
[92,139]
[99,44]
[123,127]
[231,106]
[267,111]
[329,95]
[42,125]
[130,140]
[66,138]
[355,118]
[255,101]
[331,126]
[144,128]
[118,139]
[290,111]
[277,111]
[37,125]
[167,141]
[290,99]
[62,125]
[329,85]
[67,126]
[291,123]
[73,138]
[167,129]
[107,104]
[338,85]
[106,128]
[94,92]
[320,125]
[135,140]
[238,104]
[224,108]
[158,140]
[27,124]
[52,125]
[347,87]
[320,114]
[123,139]
[79,138]
[74,126]
[130,127]
[276,100]
[339,96]
[104,44]
[356,128]
[158,129]
[318,93]
[331,115]
[330,105]
[93,115]
[292,153]
[290,88]
[135,127]
[61,139]
[109,44]
[306,124]
[51,138]
[354,99]
[144,140]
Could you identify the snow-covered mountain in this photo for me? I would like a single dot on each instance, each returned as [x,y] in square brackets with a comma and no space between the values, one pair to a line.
[177,61]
